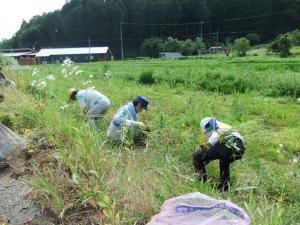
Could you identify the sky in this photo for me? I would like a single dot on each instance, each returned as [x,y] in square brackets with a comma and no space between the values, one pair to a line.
[13,12]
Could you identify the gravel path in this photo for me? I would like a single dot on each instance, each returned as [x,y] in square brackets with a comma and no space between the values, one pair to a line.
[15,207]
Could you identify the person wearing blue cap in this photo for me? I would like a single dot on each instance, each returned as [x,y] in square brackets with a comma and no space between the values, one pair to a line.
[126,118]
[218,141]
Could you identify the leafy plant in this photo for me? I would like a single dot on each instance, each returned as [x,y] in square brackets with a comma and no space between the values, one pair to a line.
[147,78]
[281,46]
[241,46]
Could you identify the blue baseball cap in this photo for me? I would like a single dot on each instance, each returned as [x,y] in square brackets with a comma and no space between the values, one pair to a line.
[141,99]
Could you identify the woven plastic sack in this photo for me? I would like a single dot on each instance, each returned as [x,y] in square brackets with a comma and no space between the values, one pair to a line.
[10,142]
[199,209]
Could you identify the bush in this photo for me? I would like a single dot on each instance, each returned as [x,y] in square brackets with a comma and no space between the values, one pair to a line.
[147,78]
[281,46]
[151,47]
[241,46]
[295,37]
[254,38]
[188,48]
[172,45]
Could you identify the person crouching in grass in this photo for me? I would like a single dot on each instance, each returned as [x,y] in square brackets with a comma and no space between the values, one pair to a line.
[124,123]
[92,103]
[218,141]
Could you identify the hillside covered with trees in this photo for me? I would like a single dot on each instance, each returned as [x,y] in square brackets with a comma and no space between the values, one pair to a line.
[98,22]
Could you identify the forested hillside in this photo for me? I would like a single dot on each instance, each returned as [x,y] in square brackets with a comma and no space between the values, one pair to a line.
[99,21]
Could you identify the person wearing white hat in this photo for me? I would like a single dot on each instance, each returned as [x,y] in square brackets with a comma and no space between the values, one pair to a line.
[92,103]
[218,141]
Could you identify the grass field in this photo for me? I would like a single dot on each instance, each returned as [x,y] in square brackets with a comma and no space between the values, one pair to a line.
[255,94]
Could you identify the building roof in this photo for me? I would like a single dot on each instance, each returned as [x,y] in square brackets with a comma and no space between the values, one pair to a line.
[15,54]
[46,52]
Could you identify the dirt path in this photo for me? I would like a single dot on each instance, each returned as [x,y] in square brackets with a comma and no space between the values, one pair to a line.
[15,207]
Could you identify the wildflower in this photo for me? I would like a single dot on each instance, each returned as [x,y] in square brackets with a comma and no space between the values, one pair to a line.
[50,77]
[33,83]
[87,82]
[42,84]
[78,72]
[34,72]
[91,76]
[107,74]
[281,146]
[295,160]
[64,106]
[25,130]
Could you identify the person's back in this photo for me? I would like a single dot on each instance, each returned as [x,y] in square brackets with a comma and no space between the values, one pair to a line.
[90,96]
[92,103]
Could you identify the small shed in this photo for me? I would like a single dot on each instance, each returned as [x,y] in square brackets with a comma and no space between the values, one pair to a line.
[83,54]
[216,50]
[170,55]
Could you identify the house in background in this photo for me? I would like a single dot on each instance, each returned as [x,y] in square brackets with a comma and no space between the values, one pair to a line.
[170,55]
[24,56]
[84,54]
[216,50]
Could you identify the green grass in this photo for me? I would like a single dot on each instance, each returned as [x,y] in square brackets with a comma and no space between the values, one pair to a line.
[254,94]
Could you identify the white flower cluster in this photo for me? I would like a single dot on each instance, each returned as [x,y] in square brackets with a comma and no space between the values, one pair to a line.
[34,72]
[86,82]
[68,68]
[50,77]
[64,106]
[41,84]
[108,75]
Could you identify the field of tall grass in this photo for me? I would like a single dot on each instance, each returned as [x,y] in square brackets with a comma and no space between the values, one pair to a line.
[255,94]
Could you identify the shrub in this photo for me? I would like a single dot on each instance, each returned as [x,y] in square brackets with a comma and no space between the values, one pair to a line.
[254,38]
[151,47]
[147,78]
[281,46]
[188,48]
[172,45]
[295,36]
[241,46]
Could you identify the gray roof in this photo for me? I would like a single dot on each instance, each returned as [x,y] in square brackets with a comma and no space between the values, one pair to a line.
[15,54]
[46,52]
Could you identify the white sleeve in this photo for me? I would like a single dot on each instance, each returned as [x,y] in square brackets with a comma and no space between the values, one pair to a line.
[213,139]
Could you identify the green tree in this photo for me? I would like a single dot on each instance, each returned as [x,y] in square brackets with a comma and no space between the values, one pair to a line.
[295,37]
[188,48]
[281,46]
[199,43]
[241,46]
[254,38]
[172,45]
[151,47]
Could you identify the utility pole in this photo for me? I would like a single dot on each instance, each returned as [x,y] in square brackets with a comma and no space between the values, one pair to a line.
[201,28]
[121,37]
[217,35]
[89,49]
